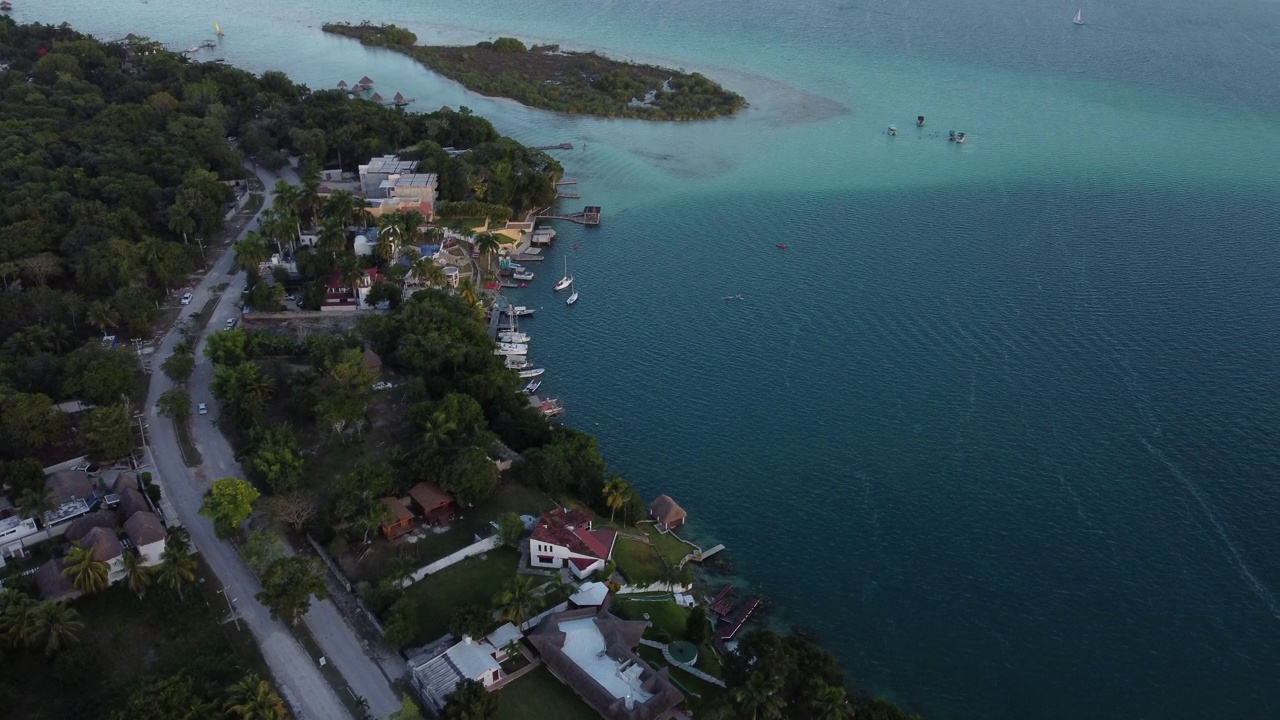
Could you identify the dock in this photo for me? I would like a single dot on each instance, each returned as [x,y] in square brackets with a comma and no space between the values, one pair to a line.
[739,618]
[561,146]
[720,604]
[590,215]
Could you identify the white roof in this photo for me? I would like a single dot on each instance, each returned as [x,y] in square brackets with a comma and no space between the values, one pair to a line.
[504,636]
[474,660]
[584,645]
[590,595]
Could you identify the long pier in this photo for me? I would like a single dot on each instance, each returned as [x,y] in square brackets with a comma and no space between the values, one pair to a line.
[590,215]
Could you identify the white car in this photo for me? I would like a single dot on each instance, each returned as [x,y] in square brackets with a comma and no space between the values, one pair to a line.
[231,322]
[202,409]
[186,299]
[384,385]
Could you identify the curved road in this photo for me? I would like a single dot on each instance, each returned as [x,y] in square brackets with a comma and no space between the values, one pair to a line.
[297,675]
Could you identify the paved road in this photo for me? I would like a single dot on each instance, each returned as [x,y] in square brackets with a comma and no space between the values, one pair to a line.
[296,673]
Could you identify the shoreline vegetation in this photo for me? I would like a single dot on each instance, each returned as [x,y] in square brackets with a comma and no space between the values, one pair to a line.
[107,250]
[546,77]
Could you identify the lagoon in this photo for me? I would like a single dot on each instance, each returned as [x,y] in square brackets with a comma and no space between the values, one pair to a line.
[999,425]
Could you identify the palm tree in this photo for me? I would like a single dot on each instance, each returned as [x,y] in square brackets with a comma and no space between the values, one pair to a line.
[439,430]
[137,575]
[333,236]
[760,696]
[17,618]
[616,494]
[488,246]
[101,315]
[830,702]
[517,601]
[179,539]
[56,625]
[467,291]
[87,574]
[252,251]
[388,247]
[181,222]
[427,272]
[349,271]
[176,569]
[253,699]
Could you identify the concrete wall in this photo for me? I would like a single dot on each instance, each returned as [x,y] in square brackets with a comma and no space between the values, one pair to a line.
[655,587]
[489,543]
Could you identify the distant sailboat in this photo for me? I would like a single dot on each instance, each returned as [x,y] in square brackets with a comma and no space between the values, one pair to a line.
[1079,20]
[217,30]
[573,298]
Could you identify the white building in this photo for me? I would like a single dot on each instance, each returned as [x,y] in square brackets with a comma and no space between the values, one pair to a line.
[148,536]
[563,538]
[12,531]
[377,170]
[435,676]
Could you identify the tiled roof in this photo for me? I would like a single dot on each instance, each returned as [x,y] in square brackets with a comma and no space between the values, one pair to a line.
[572,529]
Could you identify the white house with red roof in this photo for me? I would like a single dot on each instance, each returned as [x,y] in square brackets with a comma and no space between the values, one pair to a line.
[563,538]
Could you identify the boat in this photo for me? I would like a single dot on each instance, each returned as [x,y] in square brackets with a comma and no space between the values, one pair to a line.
[960,137]
[780,246]
[515,362]
[517,310]
[522,275]
[573,295]
[513,337]
[209,44]
[193,49]
[549,407]
[567,280]
[532,387]
[217,29]
[531,373]
[919,121]
[893,130]
[1079,19]
[951,136]
[6,6]
[512,349]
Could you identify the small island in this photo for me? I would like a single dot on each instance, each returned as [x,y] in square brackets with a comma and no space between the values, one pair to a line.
[581,83]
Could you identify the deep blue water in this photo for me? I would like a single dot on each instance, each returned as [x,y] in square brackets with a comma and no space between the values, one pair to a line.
[1003,423]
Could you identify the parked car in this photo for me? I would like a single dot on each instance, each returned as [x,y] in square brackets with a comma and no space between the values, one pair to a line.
[186,298]
[87,468]
[384,385]
[290,298]
[202,409]
[231,322]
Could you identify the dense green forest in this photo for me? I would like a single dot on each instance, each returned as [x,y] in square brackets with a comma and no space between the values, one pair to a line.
[584,83]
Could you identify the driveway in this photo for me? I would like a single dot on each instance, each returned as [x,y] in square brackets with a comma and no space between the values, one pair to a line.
[296,673]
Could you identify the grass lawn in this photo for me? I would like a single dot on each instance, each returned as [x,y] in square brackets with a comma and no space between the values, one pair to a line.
[540,696]
[666,616]
[672,548]
[124,640]
[691,686]
[473,581]
[641,563]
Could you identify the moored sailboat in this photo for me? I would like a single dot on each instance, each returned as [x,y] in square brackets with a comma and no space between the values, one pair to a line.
[567,280]
[573,295]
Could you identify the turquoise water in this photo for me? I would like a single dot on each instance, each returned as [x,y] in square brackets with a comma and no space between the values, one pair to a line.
[1001,424]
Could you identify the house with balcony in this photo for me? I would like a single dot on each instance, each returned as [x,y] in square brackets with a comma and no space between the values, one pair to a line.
[563,538]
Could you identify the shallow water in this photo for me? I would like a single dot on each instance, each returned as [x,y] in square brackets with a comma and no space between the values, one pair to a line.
[1001,422]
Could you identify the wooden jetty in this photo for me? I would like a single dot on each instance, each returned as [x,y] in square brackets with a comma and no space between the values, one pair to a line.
[561,146]
[529,258]
[567,182]
[508,284]
[569,196]
[720,604]
[739,618]
[590,215]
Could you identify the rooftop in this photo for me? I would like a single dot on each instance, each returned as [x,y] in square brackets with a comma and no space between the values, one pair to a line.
[144,528]
[410,180]
[429,496]
[104,543]
[666,511]
[572,529]
[388,165]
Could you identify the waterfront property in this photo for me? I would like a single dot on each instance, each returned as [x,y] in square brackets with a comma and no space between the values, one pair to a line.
[666,514]
[563,538]
[381,169]
[593,653]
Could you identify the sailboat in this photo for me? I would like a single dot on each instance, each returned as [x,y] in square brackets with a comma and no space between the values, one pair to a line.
[573,294]
[1079,20]
[567,280]
[217,30]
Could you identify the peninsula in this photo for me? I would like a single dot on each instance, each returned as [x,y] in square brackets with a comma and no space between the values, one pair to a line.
[581,83]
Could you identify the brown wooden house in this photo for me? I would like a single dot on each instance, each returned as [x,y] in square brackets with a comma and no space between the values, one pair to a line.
[400,520]
[434,504]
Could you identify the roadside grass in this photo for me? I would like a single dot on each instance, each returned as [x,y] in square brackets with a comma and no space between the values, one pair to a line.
[330,671]
[190,455]
[641,563]
[126,639]
[672,548]
[252,205]
[540,696]
[433,600]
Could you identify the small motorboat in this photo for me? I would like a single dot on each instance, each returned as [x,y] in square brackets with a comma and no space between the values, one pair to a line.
[193,49]
[524,285]
[951,136]
[959,137]
[522,275]
[780,246]
[6,6]
[531,373]
[919,121]
[893,130]
[532,387]
[516,362]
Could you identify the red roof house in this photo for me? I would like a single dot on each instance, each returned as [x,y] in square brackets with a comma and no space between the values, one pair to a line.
[564,538]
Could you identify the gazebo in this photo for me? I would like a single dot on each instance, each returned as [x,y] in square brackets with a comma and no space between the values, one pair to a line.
[666,513]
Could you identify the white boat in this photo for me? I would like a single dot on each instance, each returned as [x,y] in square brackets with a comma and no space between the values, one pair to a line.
[513,337]
[511,349]
[531,373]
[517,310]
[573,295]
[532,387]
[567,280]
[522,275]
[516,362]
[1079,20]
[193,48]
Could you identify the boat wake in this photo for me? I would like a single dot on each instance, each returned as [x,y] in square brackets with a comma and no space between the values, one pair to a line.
[1254,583]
